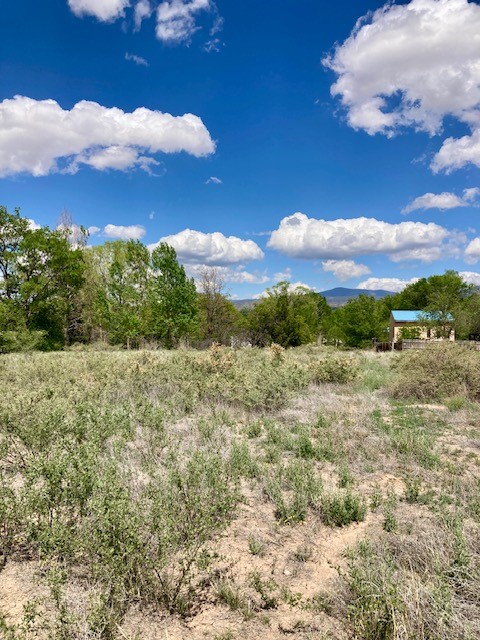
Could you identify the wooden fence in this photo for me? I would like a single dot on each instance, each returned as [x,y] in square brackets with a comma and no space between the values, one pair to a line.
[405,345]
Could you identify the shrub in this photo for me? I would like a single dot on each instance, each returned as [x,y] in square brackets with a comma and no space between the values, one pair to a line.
[342,508]
[294,489]
[334,369]
[439,371]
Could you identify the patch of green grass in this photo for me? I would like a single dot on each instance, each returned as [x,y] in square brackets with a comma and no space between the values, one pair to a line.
[411,433]
[294,488]
[342,508]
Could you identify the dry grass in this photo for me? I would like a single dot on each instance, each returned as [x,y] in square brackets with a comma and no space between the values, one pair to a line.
[234,494]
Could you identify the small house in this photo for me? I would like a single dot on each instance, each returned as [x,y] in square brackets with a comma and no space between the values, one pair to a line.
[410,325]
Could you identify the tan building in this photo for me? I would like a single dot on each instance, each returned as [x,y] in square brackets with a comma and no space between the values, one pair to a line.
[409,325]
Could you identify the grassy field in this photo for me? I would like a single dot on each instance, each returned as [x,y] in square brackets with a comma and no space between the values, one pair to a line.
[246,494]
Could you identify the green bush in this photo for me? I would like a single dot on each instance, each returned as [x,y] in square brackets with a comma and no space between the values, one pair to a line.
[342,508]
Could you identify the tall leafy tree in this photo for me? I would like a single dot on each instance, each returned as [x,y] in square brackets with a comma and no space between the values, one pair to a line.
[287,317]
[440,297]
[360,321]
[40,276]
[120,275]
[173,298]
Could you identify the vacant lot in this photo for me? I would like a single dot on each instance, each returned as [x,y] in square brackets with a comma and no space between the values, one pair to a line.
[240,495]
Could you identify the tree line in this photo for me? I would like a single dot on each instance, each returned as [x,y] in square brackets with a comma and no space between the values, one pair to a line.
[56,291]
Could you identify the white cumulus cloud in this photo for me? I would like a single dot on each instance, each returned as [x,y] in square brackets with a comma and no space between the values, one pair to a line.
[103,10]
[119,232]
[443,201]
[423,55]
[176,19]
[412,65]
[470,277]
[32,225]
[387,284]
[283,275]
[212,248]
[455,153]
[299,236]
[237,274]
[345,269]
[38,136]
[472,251]
[293,287]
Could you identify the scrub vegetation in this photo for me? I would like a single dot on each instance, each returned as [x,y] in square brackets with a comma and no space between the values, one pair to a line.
[240,493]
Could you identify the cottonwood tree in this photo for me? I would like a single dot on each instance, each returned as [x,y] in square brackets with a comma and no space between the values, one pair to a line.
[173,298]
[287,317]
[119,275]
[219,319]
[40,276]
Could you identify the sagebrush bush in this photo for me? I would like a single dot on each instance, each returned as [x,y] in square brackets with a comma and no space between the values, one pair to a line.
[439,371]
[335,369]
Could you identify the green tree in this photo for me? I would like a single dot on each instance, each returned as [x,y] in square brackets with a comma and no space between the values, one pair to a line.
[173,298]
[441,297]
[40,276]
[219,319]
[359,321]
[288,317]
[467,320]
[119,273]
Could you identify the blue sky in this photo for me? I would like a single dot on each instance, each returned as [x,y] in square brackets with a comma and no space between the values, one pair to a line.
[371,183]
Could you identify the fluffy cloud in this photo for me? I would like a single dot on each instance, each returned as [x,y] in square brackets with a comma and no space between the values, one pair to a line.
[405,65]
[293,287]
[345,269]
[143,10]
[472,252]
[410,65]
[119,232]
[455,153]
[33,225]
[387,284]
[176,19]
[470,277]
[299,236]
[237,275]
[443,201]
[283,275]
[212,248]
[395,284]
[38,136]
[104,10]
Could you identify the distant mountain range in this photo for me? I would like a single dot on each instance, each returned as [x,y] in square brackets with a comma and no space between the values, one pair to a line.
[335,297]
[340,295]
